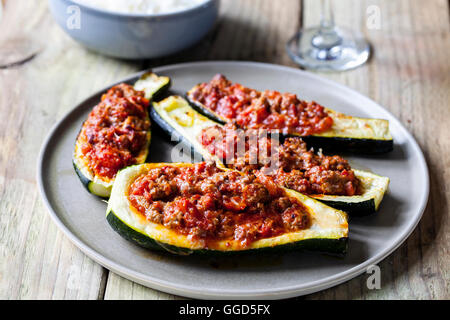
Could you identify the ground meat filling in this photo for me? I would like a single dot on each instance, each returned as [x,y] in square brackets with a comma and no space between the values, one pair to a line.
[115,130]
[206,203]
[290,164]
[250,108]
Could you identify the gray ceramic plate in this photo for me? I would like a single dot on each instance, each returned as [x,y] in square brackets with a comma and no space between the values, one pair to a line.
[81,216]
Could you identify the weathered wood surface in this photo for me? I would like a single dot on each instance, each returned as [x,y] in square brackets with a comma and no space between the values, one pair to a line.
[409,74]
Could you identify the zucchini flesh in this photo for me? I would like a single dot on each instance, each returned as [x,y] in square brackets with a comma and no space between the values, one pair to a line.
[177,118]
[353,134]
[99,188]
[358,135]
[328,231]
[153,86]
[184,124]
[374,187]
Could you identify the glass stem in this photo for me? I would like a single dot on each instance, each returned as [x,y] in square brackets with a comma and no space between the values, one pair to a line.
[327,41]
[327,16]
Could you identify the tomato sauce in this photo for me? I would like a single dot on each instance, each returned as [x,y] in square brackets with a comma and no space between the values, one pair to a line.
[206,203]
[271,110]
[115,131]
[290,164]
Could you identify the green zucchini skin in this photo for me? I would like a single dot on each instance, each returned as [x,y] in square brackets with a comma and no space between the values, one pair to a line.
[162,91]
[330,246]
[328,144]
[173,134]
[354,209]
[197,106]
[140,239]
[157,92]
[97,190]
[167,128]
[338,144]
[87,183]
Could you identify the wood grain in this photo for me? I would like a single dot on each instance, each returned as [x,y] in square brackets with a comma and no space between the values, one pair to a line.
[408,74]
[36,260]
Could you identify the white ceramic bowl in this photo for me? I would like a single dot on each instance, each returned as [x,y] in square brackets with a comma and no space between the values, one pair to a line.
[134,36]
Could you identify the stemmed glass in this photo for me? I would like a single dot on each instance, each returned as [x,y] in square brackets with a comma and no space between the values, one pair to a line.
[327,47]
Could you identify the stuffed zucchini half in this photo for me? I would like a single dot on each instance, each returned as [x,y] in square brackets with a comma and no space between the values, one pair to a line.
[116,133]
[193,217]
[337,131]
[177,117]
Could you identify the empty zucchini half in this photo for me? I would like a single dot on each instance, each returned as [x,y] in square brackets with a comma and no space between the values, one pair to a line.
[98,184]
[326,230]
[352,134]
[177,117]
[154,86]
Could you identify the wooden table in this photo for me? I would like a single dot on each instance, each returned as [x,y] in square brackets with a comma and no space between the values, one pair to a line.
[408,74]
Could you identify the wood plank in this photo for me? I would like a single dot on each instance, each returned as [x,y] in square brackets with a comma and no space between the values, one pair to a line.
[409,75]
[36,260]
[119,288]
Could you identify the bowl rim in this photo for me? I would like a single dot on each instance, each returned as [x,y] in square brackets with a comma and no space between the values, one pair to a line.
[100,11]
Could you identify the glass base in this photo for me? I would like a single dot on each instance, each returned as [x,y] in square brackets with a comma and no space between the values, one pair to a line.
[349,52]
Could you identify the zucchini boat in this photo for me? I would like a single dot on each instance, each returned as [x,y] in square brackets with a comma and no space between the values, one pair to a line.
[347,133]
[357,135]
[374,187]
[154,86]
[324,229]
[177,118]
[116,138]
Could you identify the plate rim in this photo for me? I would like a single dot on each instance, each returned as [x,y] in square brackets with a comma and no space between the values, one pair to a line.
[188,291]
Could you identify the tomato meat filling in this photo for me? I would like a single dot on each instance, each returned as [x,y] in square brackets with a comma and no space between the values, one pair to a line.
[115,131]
[289,164]
[208,204]
[268,109]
